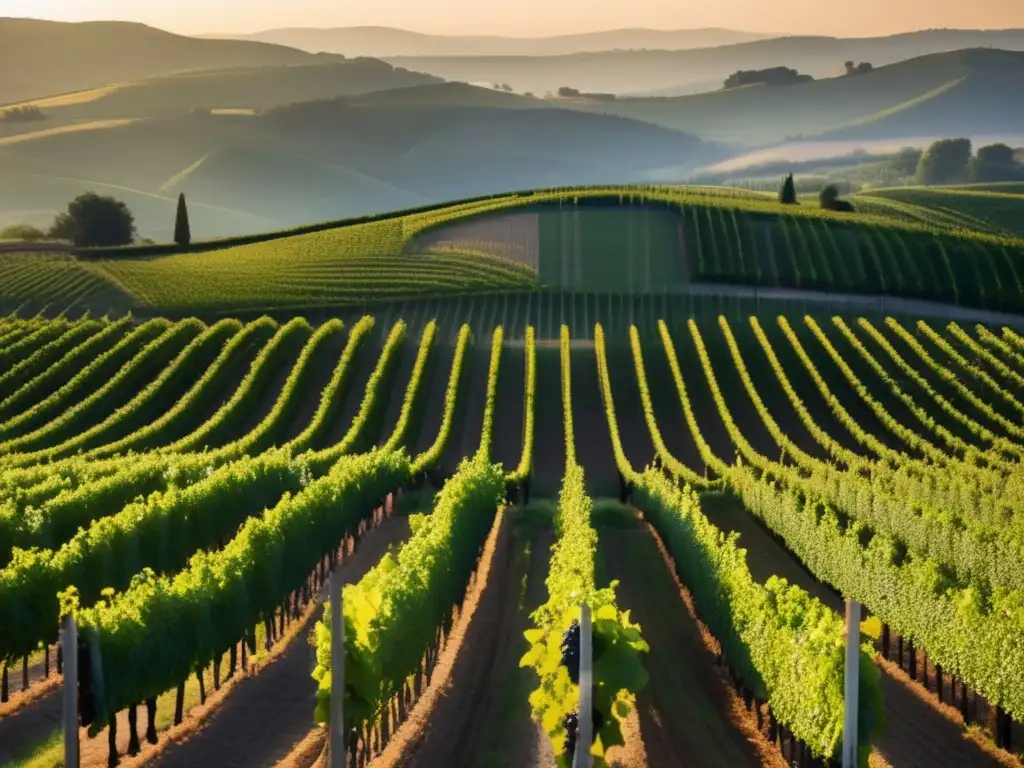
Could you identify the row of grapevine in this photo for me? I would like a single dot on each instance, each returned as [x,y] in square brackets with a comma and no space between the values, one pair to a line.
[786,646]
[81,381]
[132,377]
[160,533]
[160,630]
[394,613]
[618,672]
[46,382]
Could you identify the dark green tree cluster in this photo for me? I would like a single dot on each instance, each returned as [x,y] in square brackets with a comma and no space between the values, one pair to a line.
[94,220]
[828,198]
[950,161]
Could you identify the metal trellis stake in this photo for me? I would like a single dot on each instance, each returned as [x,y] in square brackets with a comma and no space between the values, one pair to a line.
[69,642]
[585,736]
[852,680]
[337,728]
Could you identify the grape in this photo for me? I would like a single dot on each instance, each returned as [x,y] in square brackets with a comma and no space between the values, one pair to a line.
[571,724]
[571,651]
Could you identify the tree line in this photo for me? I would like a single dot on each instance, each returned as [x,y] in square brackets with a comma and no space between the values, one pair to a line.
[97,221]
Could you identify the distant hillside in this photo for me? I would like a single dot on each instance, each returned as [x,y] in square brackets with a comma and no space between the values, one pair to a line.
[43,58]
[328,159]
[388,41]
[635,71]
[981,97]
[961,92]
[242,88]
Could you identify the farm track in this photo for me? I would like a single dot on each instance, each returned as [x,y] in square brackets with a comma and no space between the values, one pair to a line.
[366,357]
[917,733]
[322,368]
[464,439]
[267,714]
[509,411]
[704,728]
[590,427]
[436,384]
[476,713]
[629,409]
[392,408]
[668,411]
[549,440]
[35,718]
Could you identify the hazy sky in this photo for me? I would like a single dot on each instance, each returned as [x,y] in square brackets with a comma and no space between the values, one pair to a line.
[538,17]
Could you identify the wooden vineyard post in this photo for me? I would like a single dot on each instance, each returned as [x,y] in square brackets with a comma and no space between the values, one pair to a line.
[69,639]
[585,735]
[852,680]
[337,729]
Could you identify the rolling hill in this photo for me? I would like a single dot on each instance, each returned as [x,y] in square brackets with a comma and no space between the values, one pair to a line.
[388,41]
[44,58]
[635,71]
[326,159]
[966,92]
[237,88]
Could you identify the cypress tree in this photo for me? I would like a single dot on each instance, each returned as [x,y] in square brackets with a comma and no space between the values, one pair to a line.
[182,233]
[787,195]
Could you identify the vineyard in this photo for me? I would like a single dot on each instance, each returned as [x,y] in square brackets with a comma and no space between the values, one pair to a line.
[711,482]
[958,247]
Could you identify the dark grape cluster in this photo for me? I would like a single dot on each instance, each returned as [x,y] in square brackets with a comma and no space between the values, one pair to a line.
[571,724]
[571,651]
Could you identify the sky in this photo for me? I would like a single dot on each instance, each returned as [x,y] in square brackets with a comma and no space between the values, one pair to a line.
[534,18]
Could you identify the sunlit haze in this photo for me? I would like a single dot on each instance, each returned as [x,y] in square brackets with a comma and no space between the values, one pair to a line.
[537,17]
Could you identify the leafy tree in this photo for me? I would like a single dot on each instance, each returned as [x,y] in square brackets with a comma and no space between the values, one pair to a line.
[995,162]
[182,232]
[945,162]
[25,232]
[787,194]
[828,198]
[905,162]
[565,92]
[92,220]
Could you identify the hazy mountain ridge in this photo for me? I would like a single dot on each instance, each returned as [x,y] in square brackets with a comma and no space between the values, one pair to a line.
[93,54]
[647,71]
[390,41]
[952,93]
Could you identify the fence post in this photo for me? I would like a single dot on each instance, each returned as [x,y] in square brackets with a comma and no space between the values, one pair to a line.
[69,642]
[585,735]
[337,729]
[852,680]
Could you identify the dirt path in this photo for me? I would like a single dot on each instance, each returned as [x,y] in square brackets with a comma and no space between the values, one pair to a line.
[687,714]
[322,366]
[31,724]
[365,360]
[423,433]
[269,713]
[549,439]
[477,712]
[508,408]
[464,439]
[590,426]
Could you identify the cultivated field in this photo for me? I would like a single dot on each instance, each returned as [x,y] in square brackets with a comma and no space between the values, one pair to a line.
[617,241]
[183,487]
